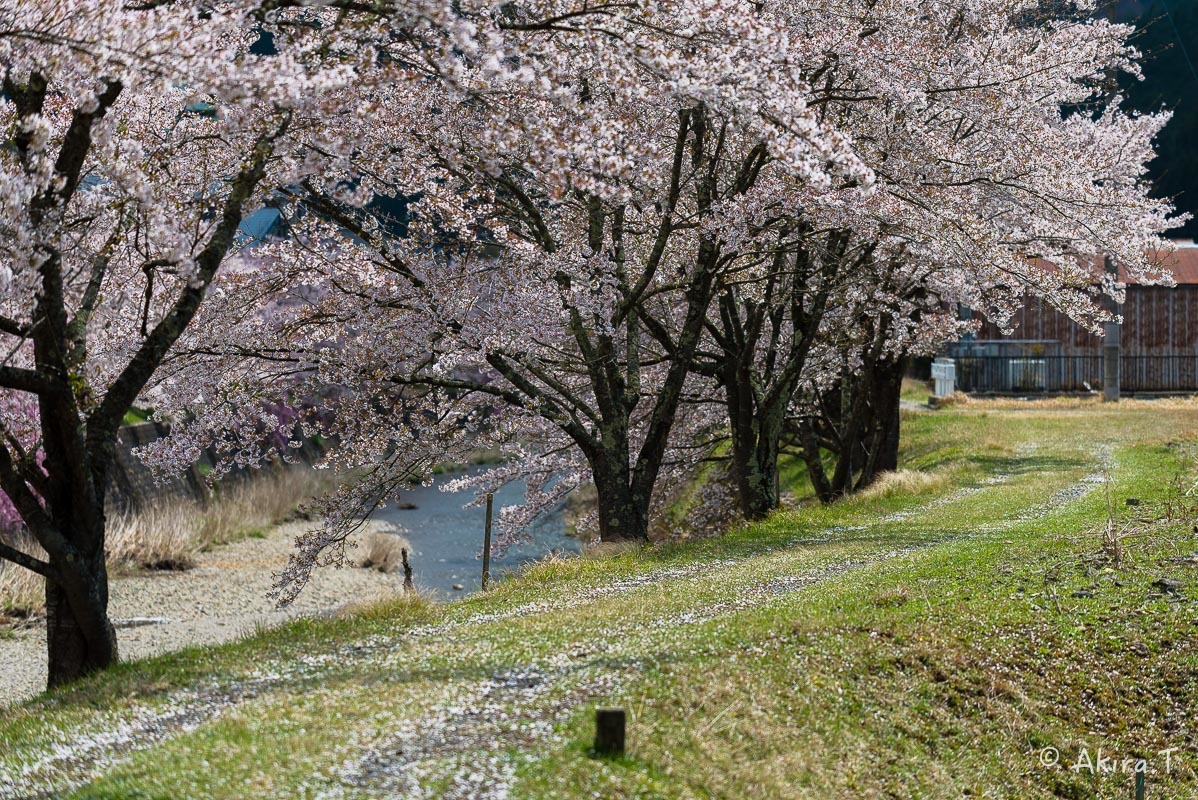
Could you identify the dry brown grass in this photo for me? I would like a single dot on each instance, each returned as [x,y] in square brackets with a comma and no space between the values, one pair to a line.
[22,593]
[1073,402]
[907,482]
[383,551]
[892,597]
[954,399]
[162,537]
[253,506]
[1066,402]
[171,533]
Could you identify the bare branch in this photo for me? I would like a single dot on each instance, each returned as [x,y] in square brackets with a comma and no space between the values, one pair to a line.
[27,561]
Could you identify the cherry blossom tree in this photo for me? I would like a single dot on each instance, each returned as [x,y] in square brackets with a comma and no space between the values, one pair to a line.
[570,275]
[988,167]
[137,137]
[849,405]
[135,141]
[518,298]
[762,329]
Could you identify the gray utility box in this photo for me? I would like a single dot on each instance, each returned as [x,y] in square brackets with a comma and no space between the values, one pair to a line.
[944,376]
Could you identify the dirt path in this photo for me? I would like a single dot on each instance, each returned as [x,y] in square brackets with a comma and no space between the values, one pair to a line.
[467,727]
[221,599]
[459,740]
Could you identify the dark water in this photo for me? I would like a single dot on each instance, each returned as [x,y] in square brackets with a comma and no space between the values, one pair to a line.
[447,540]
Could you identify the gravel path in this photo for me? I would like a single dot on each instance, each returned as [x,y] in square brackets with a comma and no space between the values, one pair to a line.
[222,598]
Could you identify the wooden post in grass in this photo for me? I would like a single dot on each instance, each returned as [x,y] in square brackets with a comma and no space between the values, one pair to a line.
[609,731]
[487,542]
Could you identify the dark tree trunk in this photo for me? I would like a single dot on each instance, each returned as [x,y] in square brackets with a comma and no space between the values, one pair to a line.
[764,346]
[812,454]
[80,639]
[756,436]
[623,516]
[886,412]
[757,478]
[860,426]
[881,452]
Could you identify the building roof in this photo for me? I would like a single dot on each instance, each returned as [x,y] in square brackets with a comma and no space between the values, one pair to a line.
[1182,263]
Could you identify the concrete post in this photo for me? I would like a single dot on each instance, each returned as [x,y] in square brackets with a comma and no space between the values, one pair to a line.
[1111,350]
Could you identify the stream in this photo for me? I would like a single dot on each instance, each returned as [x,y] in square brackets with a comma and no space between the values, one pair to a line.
[447,539]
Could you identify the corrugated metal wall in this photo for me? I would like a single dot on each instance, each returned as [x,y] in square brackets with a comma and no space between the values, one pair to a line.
[1156,322]
[1159,344]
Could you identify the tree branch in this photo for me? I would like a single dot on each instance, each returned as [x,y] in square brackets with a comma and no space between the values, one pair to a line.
[27,561]
[24,380]
[13,328]
[103,421]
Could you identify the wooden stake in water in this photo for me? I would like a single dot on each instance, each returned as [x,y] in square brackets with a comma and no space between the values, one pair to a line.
[487,543]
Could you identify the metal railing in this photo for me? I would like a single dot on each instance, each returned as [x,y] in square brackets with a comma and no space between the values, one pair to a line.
[1028,374]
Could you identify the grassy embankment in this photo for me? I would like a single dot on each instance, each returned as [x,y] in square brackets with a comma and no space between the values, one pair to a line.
[938,637]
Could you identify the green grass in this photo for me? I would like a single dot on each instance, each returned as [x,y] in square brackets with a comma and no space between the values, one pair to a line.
[135,416]
[931,640]
[915,391]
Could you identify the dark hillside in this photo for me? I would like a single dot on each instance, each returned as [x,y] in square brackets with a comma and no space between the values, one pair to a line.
[1169,41]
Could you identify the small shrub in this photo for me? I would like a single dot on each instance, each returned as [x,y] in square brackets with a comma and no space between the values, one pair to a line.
[892,597]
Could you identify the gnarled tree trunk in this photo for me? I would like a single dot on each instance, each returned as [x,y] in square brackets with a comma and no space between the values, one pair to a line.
[80,639]
[756,435]
[861,429]
[623,517]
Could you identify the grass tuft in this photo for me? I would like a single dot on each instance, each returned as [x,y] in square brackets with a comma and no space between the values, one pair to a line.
[384,551]
[907,482]
[411,607]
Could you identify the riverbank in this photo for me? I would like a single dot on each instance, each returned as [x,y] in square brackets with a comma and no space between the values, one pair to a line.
[221,595]
[220,599]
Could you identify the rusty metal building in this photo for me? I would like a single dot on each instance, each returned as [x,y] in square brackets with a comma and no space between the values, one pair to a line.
[1048,352]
